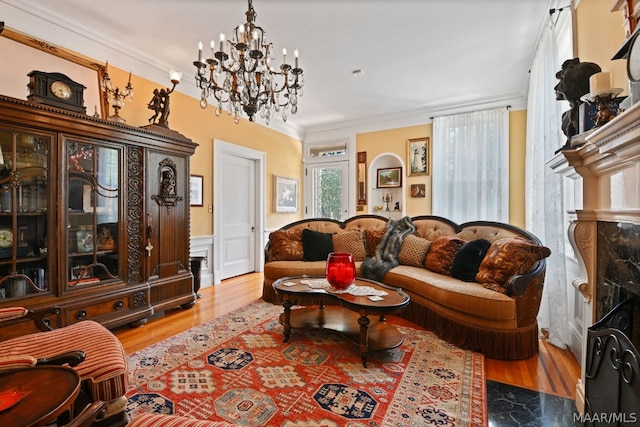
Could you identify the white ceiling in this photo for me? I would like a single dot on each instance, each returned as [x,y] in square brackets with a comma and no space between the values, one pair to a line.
[415,55]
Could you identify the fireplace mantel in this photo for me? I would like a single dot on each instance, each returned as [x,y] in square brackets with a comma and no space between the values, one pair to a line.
[609,168]
[604,180]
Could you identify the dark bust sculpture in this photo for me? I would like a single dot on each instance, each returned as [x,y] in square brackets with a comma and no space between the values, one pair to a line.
[573,84]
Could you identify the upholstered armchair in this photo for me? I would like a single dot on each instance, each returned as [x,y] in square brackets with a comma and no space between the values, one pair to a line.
[91,349]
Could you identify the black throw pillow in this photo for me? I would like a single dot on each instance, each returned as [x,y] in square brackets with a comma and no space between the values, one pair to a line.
[316,245]
[467,260]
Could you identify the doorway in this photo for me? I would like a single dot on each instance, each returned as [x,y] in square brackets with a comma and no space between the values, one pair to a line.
[238,217]
[327,185]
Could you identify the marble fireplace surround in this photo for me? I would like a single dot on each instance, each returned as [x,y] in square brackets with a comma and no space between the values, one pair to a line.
[605,176]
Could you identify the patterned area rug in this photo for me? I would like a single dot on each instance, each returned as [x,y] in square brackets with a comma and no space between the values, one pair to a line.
[237,369]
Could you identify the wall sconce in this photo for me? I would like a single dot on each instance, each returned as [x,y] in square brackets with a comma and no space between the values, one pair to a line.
[159,103]
[115,96]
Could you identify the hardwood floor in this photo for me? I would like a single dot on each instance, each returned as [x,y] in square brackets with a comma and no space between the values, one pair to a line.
[552,371]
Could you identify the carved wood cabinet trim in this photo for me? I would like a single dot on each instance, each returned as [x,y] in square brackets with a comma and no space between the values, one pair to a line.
[129,292]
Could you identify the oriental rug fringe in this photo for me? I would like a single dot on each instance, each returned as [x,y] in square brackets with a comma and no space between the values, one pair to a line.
[236,369]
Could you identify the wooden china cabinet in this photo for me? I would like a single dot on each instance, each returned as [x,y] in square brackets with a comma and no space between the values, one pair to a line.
[94,216]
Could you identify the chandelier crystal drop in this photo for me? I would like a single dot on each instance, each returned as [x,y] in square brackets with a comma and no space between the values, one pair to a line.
[240,75]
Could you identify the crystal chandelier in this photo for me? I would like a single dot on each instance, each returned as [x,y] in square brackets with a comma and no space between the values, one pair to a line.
[239,74]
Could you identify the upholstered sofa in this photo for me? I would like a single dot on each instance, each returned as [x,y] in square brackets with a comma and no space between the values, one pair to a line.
[487,302]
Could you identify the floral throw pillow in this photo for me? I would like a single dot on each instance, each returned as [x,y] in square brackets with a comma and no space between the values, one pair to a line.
[286,245]
[372,238]
[440,256]
[508,257]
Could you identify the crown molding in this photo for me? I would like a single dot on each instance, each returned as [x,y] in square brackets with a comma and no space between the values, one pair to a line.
[418,116]
[52,27]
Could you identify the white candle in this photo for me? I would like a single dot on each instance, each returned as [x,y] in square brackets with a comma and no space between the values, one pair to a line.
[295,54]
[200,51]
[213,47]
[284,56]
[600,82]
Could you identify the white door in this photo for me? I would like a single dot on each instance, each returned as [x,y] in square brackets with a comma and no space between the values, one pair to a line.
[238,216]
[327,186]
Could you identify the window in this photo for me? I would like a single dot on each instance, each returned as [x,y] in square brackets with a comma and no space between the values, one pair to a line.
[327,180]
[471,166]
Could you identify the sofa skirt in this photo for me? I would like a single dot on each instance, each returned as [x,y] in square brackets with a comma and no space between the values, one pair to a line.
[509,344]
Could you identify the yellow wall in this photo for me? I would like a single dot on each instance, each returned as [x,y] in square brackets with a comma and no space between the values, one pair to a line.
[517,152]
[395,141]
[599,35]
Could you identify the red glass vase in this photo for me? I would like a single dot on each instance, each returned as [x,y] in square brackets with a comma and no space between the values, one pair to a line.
[341,270]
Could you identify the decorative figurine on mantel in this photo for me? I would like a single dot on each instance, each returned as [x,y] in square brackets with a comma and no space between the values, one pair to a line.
[573,84]
[159,104]
[601,93]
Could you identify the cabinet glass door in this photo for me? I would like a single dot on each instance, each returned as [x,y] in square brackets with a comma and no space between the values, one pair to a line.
[93,214]
[23,214]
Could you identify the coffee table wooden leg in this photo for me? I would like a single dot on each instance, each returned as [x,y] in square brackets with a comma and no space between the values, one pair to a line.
[363,321]
[287,318]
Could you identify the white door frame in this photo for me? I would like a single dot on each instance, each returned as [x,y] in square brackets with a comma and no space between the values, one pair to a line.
[259,157]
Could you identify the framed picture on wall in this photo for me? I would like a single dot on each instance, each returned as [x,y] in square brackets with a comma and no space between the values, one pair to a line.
[195,190]
[418,190]
[285,194]
[389,177]
[418,157]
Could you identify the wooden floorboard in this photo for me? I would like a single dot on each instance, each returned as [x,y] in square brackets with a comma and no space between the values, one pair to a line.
[553,370]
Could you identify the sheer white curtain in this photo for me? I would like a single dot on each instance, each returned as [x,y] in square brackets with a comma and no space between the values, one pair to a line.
[544,210]
[471,166]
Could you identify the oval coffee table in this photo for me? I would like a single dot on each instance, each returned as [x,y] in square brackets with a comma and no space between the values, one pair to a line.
[342,312]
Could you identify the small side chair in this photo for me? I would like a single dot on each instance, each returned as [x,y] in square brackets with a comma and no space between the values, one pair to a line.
[87,346]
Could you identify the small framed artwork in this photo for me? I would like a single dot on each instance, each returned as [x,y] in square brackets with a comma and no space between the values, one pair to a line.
[418,190]
[389,177]
[418,156]
[195,190]
[285,194]
[84,240]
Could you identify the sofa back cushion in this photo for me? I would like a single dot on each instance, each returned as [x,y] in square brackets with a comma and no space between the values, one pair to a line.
[351,242]
[413,251]
[440,256]
[487,232]
[467,260]
[316,245]
[286,245]
[506,258]
[430,228]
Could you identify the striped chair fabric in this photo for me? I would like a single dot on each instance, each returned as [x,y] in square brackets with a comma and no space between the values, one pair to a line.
[161,420]
[104,370]
[10,313]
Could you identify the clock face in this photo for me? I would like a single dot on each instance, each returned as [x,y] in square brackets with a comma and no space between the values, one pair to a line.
[6,238]
[61,90]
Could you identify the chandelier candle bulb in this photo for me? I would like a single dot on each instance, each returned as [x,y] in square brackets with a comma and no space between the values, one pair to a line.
[295,55]
[200,51]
